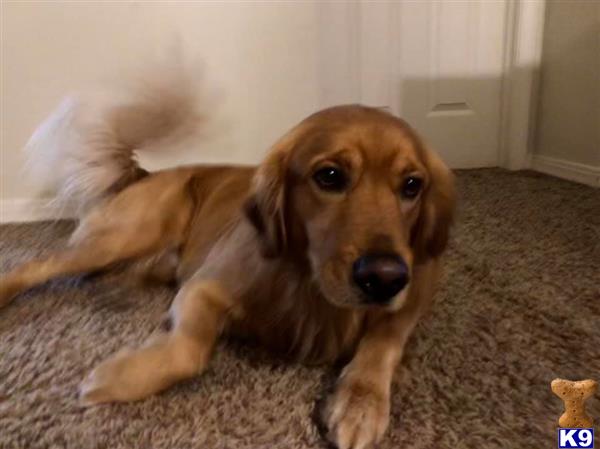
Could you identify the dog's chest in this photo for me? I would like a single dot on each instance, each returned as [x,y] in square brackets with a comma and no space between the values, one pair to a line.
[299,323]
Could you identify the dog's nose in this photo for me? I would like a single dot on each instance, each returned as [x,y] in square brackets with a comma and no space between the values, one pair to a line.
[380,277]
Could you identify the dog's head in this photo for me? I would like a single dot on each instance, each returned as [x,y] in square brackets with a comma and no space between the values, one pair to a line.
[354,192]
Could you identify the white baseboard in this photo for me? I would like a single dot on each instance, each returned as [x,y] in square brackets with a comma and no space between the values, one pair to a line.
[573,171]
[34,209]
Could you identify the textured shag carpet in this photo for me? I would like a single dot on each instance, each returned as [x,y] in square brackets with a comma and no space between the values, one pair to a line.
[520,306]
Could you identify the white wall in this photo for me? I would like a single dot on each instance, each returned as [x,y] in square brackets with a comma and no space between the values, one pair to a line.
[568,133]
[278,61]
[262,55]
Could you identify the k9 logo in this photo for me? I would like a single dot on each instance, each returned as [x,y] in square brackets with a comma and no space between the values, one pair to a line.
[576,438]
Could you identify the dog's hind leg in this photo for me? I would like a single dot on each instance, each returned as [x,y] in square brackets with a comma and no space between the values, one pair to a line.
[92,253]
[197,317]
[160,268]
[145,219]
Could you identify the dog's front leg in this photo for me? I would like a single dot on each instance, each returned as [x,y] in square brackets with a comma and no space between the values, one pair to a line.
[357,414]
[197,317]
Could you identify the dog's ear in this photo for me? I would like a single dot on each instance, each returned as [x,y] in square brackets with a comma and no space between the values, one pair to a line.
[265,206]
[430,236]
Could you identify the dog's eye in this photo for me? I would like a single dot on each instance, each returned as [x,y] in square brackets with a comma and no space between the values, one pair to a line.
[411,187]
[331,179]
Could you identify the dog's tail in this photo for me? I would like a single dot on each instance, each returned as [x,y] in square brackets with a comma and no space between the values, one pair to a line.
[87,147]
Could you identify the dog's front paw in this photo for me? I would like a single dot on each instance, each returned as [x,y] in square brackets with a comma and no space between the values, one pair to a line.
[113,380]
[357,415]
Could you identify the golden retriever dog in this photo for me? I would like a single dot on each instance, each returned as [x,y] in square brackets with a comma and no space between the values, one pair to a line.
[328,250]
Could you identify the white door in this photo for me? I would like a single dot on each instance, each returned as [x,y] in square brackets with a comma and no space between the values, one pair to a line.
[436,63]
[450,67]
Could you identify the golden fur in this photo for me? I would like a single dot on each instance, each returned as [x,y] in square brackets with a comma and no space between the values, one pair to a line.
[264,252]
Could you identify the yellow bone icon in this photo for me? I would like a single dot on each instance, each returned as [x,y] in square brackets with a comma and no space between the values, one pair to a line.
[574,394]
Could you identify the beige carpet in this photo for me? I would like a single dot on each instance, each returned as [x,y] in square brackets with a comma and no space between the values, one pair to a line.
[521,306]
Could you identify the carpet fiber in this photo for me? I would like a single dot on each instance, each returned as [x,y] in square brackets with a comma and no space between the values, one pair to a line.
[520,306]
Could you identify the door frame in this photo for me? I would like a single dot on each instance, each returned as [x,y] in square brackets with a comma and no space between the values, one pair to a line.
[520,82]
[354,65]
